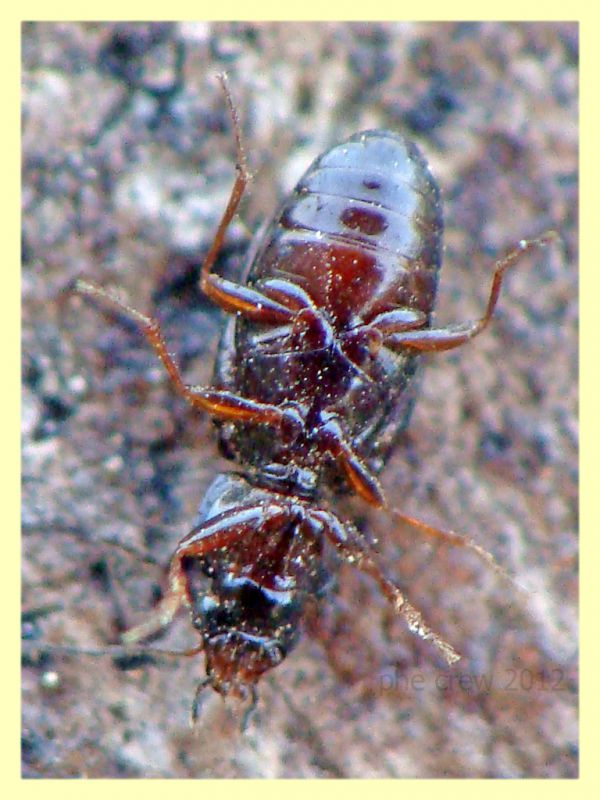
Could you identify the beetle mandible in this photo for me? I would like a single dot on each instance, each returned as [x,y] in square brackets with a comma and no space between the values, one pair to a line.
[312,385]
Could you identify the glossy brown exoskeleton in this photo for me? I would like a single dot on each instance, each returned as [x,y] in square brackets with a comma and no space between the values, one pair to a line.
[312,385]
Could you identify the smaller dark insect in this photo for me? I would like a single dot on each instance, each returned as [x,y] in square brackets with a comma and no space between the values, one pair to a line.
[312,385]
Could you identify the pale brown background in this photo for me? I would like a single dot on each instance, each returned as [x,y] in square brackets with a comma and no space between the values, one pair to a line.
[127,164]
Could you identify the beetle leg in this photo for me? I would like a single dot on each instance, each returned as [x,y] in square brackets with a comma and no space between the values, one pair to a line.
[220,404]
[208,282]
[355,549]
[447,338]
[456,540]
[398,320]
[219,533]
[276,302]
[358,474]
[252,304]
[230,296]
[260,306]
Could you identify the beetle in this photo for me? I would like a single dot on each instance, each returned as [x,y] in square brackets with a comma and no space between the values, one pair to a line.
[313,382]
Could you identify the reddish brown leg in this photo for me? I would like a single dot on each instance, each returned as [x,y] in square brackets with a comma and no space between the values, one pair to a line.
[398,320]
[455,540]
[278,305]
[220,404]
[354,549]
[403,327]
[358,475]
[367,486]
[437,339]
[217,534]
[230,296]
[400,331]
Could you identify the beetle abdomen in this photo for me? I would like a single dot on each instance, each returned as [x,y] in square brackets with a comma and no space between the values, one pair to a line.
[361,232]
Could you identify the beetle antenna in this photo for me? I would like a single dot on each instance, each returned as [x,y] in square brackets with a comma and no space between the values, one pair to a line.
[113,650]
[80,533]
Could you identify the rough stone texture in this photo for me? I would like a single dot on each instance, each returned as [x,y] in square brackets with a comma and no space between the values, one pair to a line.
[127,164]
